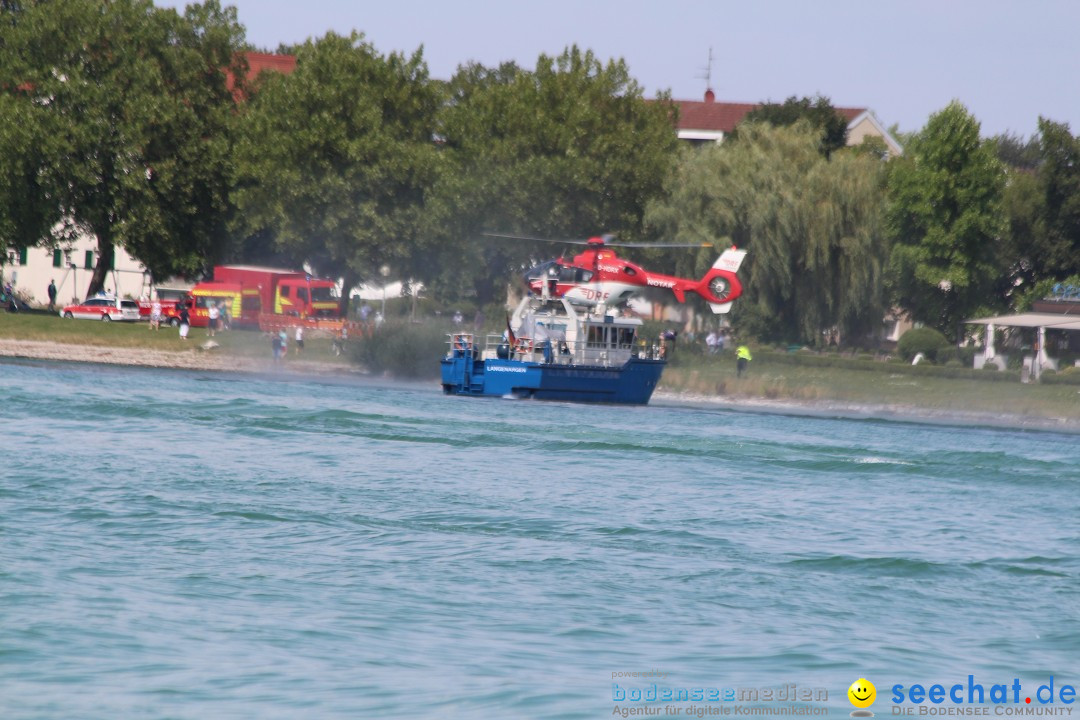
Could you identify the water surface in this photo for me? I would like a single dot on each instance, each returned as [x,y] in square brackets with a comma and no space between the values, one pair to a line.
[192,545]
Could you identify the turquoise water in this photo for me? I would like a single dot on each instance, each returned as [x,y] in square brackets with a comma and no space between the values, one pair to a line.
[189,545]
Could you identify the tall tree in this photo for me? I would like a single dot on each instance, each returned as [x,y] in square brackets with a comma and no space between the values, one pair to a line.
[946,220]
[569,150]
[818,112]
[134,102]
[811,225]
[335,159]
[26,211]
[1059,179]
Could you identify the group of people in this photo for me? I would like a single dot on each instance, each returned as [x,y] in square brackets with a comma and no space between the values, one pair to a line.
[279,342]
[714,342]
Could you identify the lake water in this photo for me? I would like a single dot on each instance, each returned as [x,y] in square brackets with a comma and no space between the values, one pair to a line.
[192,545]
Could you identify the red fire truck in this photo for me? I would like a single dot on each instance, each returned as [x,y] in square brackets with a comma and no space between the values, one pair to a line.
[255,295]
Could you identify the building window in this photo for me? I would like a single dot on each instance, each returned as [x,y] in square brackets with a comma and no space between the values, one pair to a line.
[58,258]
[89,260]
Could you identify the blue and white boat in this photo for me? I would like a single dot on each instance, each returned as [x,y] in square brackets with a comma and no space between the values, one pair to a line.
[556,351]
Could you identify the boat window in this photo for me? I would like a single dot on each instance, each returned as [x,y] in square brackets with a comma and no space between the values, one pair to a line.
[596,336]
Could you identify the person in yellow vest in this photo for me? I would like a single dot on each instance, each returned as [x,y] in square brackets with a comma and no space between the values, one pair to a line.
[742,359]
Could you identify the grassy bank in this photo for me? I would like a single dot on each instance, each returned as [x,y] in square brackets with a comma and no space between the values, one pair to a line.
[238,343]
[813,378]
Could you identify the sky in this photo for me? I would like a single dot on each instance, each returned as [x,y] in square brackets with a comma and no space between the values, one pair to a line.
[1007,62]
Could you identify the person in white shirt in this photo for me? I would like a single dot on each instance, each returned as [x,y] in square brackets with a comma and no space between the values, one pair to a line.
[213,312]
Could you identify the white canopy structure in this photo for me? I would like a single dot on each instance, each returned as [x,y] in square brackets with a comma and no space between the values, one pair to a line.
[1040,320]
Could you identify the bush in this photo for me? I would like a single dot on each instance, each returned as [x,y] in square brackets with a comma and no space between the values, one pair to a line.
[925,340]
[403,349]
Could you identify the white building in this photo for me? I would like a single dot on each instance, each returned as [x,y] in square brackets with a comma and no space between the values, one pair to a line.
[70,267]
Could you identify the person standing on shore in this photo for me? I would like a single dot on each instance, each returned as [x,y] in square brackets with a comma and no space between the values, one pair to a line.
[185,322]
[299,338]
[742,359]
[155,315]
[52,295]
[213,312]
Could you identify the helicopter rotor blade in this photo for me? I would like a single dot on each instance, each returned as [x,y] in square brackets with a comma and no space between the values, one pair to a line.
[507,236]
[660,245]
[606,241]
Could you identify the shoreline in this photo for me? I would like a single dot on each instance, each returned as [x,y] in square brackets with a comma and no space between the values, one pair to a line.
[196,358]
[871,411]
[191,358]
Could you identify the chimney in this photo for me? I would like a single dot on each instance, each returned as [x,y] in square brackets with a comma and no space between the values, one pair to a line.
[710,96]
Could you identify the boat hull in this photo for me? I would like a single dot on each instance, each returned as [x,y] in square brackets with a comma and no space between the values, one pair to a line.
[631,383]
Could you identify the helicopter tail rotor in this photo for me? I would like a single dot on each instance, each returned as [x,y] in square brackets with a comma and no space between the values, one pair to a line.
[720,287]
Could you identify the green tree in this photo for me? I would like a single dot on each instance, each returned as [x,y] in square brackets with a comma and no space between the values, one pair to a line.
[1058,255]
[818,112]
[1016,152]
[134,103]
[946,220]
[336,158]
[1042,207]
[811,225]
[569,150]
[26,211]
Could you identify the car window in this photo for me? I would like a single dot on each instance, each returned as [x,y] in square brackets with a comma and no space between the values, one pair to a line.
[129,305]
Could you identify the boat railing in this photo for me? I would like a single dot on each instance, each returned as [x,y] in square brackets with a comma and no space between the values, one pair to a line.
[558,352]
[460,344]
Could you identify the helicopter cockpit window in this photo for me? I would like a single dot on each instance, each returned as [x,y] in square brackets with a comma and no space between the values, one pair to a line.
[629,270]
[546,269]
[582,275]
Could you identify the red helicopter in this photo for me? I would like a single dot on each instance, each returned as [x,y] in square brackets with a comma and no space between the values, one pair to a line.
[599,276]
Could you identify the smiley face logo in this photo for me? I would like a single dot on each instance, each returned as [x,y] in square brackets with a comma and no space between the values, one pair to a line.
[862,693]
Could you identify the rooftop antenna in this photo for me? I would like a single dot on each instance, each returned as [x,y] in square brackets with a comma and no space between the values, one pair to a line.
[707,77]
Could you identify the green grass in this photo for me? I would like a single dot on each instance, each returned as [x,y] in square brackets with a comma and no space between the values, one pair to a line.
[237,343]
[867,382]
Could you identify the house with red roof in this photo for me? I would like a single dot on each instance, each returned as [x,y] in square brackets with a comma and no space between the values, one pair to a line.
[702,121]
[257,64]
